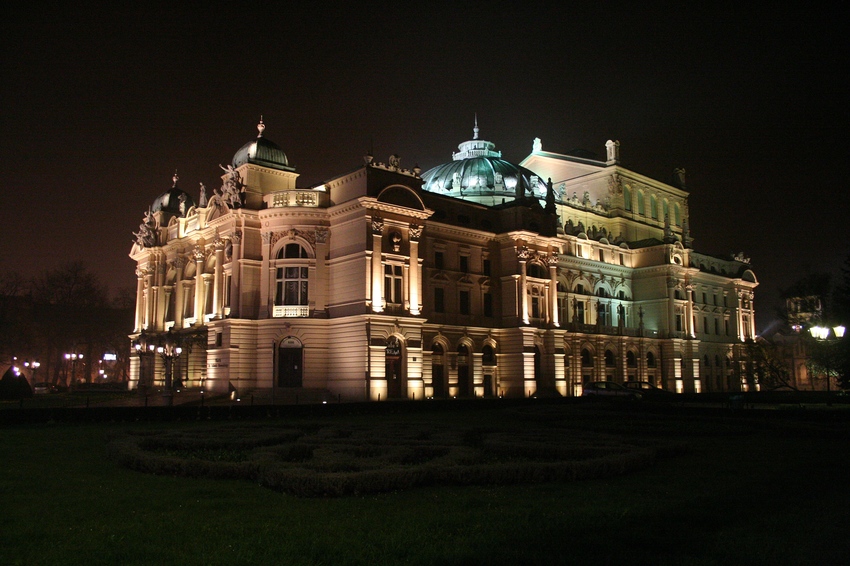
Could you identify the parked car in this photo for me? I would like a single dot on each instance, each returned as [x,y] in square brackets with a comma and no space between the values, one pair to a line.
[43,387]
[609,389]
[648,390]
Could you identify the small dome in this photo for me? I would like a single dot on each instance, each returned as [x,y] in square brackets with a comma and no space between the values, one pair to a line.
[173,201]
[262,151]
[478,173]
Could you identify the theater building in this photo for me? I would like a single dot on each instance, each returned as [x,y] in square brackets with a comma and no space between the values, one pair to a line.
[478,277]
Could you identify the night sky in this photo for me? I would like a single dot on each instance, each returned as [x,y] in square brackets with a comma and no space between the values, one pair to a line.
[99,109]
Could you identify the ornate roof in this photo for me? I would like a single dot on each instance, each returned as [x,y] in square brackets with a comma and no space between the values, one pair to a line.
[173,201]
[478,173]
[262,151]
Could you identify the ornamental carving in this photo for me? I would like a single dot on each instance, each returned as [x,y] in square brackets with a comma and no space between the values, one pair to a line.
[615,184]
[198,253]
[267,237]
[178,262]
[236,237]
[552,259]
[292,234]
[415,232]
[523,253]
[377,225]
[322,235]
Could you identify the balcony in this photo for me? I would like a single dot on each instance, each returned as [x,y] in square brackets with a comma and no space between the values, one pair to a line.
[291,311]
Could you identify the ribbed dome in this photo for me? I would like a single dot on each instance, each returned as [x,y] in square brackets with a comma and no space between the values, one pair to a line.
[262,151]
[173,201]
[478,173]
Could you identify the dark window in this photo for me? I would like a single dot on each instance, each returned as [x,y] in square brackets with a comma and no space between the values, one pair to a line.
[705,324]
[488,357]
[487,267]
[586,359]
[464,302]
[438,260]
[631,360]
[464,264]
[609,359]
[439,300]
[488,304]
[716,326]
[650,360]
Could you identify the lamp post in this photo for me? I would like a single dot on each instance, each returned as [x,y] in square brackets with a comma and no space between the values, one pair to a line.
[828,336]
[169,350]
[73,357]
[145,348]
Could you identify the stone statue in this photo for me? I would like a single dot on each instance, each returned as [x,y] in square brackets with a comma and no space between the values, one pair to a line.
[146,236]
[232,189]
[202,200]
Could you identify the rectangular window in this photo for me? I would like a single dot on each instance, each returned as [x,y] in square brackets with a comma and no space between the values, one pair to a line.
[705,324]
[464,302]
[464,264]
[704,299]
[580,312]
[488,304]
[726,324]
[535,307]
[439,300]
[601,255]
[716,326]
[487,267]
[622,259]
[393,284]
[678,323]
[438,260]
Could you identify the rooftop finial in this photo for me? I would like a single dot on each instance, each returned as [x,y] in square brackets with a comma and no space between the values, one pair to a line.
[260,127]
[475,129]
[175,178]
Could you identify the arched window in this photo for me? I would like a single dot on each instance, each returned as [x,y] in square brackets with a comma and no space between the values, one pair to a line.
[537,270]
[586,358]
[641,208]
[610,360]
[653,206]
[631,359]
[666,209]
[488,355]
[677,214]
[627,198]
[650,360]
[292,271]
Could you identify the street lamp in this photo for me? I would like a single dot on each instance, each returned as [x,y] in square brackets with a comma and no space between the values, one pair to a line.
[145,348]
[73,357]
[822,334]
[169,350]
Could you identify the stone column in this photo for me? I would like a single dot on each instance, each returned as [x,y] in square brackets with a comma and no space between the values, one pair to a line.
[689,311]
[738,315]
[671,306]
[179,308]
[149,297]
[235,273]
[140,298]
[266,278]
[522,254]
[198,254]
[218,279]
[415,278]
[553,289]
[377,266]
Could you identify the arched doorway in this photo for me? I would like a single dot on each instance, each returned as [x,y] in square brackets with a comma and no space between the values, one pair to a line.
[463,378]
[489,364]
[438,378]
[290,366]
[394,367]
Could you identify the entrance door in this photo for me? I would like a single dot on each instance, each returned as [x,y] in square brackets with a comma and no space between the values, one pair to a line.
[393,368]
[438,380]
[289,363]
[463,378]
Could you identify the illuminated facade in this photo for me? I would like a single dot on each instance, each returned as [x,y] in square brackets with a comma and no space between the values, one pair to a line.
[478,278]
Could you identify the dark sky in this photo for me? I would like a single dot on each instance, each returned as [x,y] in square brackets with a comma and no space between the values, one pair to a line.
[99,108]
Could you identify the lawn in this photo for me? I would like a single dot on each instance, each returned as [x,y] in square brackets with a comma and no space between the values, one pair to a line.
[755,487]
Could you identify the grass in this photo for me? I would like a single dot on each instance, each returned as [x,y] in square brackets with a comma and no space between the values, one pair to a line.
[758,489]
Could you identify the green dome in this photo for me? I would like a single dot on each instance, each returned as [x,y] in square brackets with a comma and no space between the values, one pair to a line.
[478,173]
[262,151]
[173,201]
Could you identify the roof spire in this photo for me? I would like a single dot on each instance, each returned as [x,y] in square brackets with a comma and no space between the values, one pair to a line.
[175,178]
[475,129]
[260,127]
